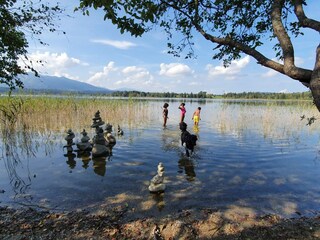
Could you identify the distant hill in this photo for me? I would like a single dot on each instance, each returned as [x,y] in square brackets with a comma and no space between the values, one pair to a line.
[58,85]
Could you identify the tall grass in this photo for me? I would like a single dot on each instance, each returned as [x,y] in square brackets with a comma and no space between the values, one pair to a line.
[28,122]
[58,114]
[271,119]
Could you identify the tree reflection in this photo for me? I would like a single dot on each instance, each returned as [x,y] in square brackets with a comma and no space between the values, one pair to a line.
[15,146]
[159,200]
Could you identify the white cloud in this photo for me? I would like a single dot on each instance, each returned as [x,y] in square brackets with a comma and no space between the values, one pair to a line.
[99,78]
[136,75]
[235,67]
[194,83]
[56,64]
[284,91]
[131,69]
[117,44]
[113,77]
[174,70]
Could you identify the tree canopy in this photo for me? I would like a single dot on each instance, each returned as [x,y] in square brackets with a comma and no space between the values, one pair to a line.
[19,19]
[232,26]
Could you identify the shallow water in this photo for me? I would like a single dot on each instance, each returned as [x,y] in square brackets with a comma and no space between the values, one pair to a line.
[255,155]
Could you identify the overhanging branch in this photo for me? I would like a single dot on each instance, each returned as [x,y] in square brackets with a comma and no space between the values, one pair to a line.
[288,68]
[304,75]
[303,20]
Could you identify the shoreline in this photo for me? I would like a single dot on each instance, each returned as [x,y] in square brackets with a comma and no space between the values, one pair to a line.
[117,223]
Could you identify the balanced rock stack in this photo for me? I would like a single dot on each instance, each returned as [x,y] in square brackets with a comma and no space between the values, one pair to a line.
[156,183]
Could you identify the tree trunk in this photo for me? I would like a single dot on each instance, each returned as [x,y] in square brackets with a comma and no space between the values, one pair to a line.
[315,80]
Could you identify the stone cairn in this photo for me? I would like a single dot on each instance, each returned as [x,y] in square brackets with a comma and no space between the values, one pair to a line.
[108,128]
[120,131]
[156,183]
[99,146]
[99,142]
[70,155]
[69,138]
[110,138]
[84,145]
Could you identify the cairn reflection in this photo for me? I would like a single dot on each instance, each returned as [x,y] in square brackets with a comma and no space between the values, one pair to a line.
[98,149]
[71,160]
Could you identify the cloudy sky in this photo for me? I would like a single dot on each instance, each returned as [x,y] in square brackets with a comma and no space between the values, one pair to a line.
[94,51]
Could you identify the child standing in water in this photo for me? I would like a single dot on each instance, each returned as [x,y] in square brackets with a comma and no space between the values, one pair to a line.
[165,112]
[196,116]
[183,112]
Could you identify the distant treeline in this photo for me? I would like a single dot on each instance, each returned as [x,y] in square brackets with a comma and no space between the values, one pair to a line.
[159,95]
[201,94]
[261,95]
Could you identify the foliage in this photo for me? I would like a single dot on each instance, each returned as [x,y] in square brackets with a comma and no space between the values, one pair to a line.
[261,95]
[233,26]
[19,19]
[158,94]
[243,95]
[9,111]
[139,94]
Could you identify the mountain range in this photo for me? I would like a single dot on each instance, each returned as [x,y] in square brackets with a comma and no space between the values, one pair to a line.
[59,84]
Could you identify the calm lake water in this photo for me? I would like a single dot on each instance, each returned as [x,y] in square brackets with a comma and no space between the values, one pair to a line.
[257,155]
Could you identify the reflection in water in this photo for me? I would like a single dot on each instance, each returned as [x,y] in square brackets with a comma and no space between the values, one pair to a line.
[267,139]
[196,130]
[99,165]
[70,161]
[99,162]
[14,147]
[159,199]
[187,165]
[170,140]
[85,157]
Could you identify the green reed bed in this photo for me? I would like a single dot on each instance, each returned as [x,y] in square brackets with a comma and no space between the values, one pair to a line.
[61,113]
[275,119]
[28,122]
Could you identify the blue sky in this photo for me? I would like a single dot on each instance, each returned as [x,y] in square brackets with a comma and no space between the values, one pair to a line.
[94,51]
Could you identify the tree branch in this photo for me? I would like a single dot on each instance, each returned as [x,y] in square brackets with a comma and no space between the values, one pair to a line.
[316,70]
[303,20]
[282,35]
[289,67]
[304,75]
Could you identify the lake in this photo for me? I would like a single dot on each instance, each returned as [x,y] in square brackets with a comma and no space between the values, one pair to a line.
[256,155]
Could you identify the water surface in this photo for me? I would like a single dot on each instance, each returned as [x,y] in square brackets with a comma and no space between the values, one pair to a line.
[254,154]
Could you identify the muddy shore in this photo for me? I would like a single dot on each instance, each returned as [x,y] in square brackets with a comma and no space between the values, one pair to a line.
[118,223]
